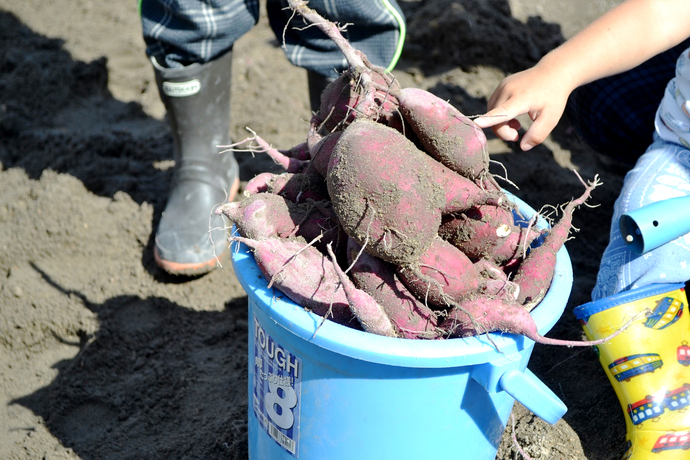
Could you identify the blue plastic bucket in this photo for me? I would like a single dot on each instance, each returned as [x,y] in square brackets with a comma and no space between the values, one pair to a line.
[325,391]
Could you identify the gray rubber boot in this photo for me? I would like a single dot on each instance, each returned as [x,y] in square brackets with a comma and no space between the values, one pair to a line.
[190,239]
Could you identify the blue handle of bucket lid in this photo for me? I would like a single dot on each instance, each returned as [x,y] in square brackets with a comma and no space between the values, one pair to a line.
[531,392]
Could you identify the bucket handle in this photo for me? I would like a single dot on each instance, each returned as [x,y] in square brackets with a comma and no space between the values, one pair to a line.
[528,390]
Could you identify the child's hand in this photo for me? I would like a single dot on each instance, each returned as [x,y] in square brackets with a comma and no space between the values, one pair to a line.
[537,92]
[601,49]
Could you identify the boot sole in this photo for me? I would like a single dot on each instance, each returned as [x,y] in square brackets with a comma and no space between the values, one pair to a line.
[195,268]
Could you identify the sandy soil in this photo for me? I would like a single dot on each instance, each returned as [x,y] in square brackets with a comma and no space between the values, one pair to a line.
[104,356]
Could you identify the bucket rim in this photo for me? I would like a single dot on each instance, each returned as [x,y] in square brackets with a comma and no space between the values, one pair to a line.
[419,353]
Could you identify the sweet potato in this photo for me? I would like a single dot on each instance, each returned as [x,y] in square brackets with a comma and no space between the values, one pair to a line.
[347,98]
[495,281]
[483,314]
[441,272]
[444,274]
[299,152]
[303,274]
[389,196]
[292,164]
[445,133]
[535,273]
[266,215]
[296,187]
[370,314]
[396,193]
[259,216]
[261,183]
[487,232]
[411,317]
[322,150]
[364,90]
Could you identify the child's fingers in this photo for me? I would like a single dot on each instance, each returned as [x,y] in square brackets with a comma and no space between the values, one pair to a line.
[493,117]
[538,131]
[508,131]
[502,121]
[502,110]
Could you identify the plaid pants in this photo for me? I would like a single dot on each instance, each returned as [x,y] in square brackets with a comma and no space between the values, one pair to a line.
[181,32]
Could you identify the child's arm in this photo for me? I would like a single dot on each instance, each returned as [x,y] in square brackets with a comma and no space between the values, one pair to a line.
[623,38]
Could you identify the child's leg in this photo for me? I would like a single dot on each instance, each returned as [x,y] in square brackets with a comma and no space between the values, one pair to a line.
[190,45]
[376,28]
[662,172]
[647,363]
[183,32]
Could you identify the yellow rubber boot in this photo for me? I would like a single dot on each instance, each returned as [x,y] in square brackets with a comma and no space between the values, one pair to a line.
[647,366]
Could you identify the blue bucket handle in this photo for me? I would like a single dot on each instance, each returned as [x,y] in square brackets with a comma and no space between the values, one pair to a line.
[531,392]
[510,374]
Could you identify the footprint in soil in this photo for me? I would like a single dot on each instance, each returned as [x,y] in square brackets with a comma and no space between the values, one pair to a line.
[144,379]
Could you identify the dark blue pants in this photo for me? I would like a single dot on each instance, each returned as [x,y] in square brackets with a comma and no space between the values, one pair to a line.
[615,115]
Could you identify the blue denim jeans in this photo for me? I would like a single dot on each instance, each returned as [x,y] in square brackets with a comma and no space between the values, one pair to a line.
[182,32]
[662,172]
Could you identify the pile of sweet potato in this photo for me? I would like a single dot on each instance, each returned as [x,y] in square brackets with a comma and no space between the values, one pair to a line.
[387,218]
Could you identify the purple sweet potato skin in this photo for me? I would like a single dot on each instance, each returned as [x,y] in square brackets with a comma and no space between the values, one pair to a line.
[296,187]
[309,279]
[370,314]
[535,273]
[441,272]
[260,216]
[389,196]
[261,183]
[266,215]
[445,133]
[345,93]
[489,314]
[412,318]
[298,152]
[483,314]
[321,152]
[487,232]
